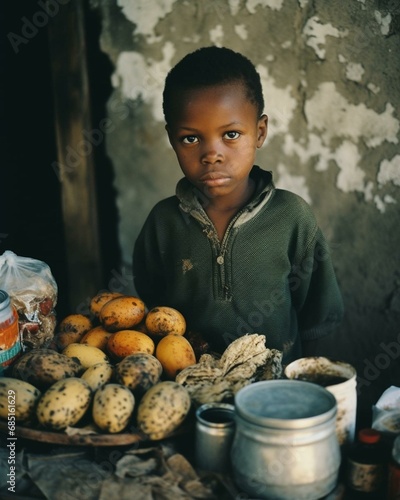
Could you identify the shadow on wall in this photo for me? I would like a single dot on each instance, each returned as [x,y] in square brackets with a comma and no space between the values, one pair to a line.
[100,70]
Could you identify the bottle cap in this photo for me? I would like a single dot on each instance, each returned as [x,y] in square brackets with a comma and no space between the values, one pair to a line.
[369,436]
[396,449]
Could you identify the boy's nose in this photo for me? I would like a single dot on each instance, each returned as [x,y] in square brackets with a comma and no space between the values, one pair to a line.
[210,154]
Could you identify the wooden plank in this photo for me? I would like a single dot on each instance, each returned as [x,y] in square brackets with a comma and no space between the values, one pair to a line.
[75,163]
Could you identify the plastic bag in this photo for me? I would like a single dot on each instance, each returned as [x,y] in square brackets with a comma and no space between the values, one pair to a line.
[33,292]
[386,412]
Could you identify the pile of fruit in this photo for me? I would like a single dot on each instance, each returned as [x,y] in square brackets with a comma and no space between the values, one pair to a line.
[115,369]
[129,369]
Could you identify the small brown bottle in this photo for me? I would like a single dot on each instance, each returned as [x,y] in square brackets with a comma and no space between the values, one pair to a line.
[366,466]
[394,472]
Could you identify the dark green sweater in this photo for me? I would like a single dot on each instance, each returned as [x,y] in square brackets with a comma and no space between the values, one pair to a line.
[271,274]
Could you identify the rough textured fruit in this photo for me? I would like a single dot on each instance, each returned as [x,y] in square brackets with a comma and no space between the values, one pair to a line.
[164,320]
[96,337]
[122,313]
[64,403]
[86,354]
[113,405]
[98,375]
[19,366]
[100,299]
[18,399]
[175,353]
[43,367]
[71,329]
[162,409]
[138,372]
[126,342]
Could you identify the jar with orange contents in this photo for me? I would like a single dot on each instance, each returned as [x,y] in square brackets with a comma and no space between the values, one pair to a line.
[10,344]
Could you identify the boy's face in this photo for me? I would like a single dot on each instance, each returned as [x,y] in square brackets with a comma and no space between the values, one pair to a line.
[215,133]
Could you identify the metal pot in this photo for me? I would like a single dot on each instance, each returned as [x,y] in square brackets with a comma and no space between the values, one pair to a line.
[285,445]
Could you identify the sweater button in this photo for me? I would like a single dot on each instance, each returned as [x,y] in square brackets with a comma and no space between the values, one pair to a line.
[220,259]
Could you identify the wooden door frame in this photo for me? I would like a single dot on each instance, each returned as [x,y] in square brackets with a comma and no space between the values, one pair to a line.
[75,160]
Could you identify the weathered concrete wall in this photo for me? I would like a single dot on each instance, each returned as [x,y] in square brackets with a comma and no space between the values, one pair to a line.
[331,77]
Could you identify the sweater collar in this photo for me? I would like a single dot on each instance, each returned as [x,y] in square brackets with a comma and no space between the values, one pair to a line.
[189,196]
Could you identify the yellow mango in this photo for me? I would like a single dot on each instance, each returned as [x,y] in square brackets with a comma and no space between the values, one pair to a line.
[126,342]
[175,353]
[86,354]
[164,320]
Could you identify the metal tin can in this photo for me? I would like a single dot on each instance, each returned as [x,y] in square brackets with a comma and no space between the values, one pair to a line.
[10,345]
[215,425]
[285,445]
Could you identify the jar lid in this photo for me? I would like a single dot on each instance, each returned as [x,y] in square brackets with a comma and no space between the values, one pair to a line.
[285,404]
[369,436]
[4,300]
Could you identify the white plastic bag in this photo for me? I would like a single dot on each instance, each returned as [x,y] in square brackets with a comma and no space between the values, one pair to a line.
[33,292]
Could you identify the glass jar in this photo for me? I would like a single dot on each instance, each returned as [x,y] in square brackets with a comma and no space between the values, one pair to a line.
[366,466]
[10,345]
[394,472]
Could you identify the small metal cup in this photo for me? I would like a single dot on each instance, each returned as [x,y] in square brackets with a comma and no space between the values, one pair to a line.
[215,426]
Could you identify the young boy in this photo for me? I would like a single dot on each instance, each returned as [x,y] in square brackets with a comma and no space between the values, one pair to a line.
[231,252]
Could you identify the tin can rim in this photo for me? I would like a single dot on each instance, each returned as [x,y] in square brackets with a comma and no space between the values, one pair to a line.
[227,408]
[285,404]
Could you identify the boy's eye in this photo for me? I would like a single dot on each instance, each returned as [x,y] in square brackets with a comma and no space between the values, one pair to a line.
[190,139]
[232,135]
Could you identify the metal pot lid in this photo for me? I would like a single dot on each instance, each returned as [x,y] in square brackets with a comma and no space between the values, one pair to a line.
[285,404]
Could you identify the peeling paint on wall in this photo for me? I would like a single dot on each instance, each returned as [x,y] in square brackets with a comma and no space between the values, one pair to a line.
[217,35]
[334,116]
[373,88]
[252,5]
[303,3]
[295,183]
[389,171]
[241,31]
[145,14]
[383,21]
[315,33]
[311,149]
[354,72]
[234,6]
[350,177]
[137,77]
[279,102]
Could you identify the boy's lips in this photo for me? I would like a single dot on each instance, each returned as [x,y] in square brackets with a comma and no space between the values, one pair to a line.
[214,179]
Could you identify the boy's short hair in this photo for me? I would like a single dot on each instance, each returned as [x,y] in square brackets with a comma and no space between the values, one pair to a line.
[212,66]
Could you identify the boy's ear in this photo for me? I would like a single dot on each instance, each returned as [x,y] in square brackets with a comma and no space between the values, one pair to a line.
[169,133]
[262,130]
